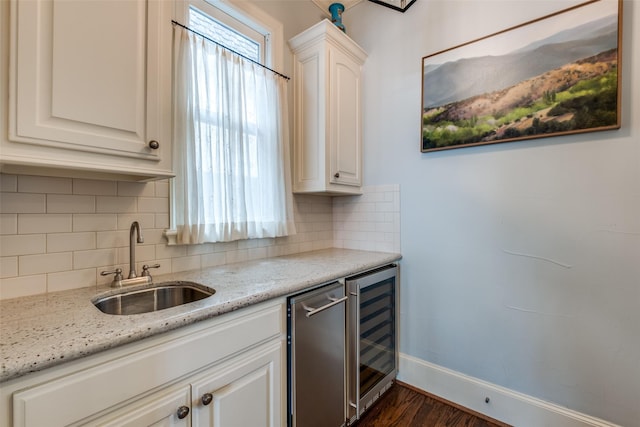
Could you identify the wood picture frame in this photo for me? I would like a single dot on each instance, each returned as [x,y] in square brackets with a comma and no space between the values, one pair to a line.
[556,75]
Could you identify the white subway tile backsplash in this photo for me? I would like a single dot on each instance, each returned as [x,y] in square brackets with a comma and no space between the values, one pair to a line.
[68,242]
[8,224]
[40,184]
[153,204]
[23,286]
[71,280]
[306,246]
[94,258]
[8,183]
[95,187]
[136,189]
[369,222]
[225,246]
[146,253]
[241,255]
[44,223]
[22,203]
[95,222]
[205,248]
[154,236]
[58,203]
[247,244]
[112,239]
[186,263]
[116,204]
[162,189]
[45,263]
[8,266]
[213,259]
[59,234]
[162,220]
[164,251]
[257,253]
[146,220]
[16,244]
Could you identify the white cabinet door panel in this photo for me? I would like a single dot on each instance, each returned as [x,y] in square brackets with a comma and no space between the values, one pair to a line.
[80,75]
[110,71]
[246,392]
[158,410]
[345,120]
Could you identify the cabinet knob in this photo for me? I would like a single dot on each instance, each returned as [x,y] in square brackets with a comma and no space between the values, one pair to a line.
[154,145]
[182,412]
[207,398]
[336,175]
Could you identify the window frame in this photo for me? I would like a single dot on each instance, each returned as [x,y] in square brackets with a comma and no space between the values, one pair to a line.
[247,14]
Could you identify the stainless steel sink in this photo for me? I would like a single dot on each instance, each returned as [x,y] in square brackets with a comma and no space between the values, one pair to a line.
[154,298]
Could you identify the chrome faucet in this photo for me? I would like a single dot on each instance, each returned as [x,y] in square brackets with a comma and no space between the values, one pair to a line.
[135,227]
[133,278]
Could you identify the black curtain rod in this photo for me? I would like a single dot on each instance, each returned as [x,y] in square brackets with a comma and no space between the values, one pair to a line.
[230,50]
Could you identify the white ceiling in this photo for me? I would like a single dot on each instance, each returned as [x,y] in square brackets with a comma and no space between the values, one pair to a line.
[324,4]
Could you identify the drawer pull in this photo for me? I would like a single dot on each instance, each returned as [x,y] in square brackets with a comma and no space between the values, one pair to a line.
[154,145]
[182,412]
[207,398]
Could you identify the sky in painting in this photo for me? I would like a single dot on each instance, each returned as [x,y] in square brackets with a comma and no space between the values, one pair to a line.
[505,42]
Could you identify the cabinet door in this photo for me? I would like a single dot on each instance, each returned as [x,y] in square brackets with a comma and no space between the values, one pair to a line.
[90,77]
[165,408]
[247,391]
[345,127]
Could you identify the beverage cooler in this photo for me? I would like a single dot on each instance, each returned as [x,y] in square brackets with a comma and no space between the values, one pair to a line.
[342,348]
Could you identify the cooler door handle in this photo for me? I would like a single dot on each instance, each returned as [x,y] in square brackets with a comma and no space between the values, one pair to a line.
[334,301]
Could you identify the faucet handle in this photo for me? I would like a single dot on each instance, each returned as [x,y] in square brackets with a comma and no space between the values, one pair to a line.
[145,269]
[117,278]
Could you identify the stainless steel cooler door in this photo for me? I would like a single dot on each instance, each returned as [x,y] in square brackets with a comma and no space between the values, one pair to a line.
[317,357]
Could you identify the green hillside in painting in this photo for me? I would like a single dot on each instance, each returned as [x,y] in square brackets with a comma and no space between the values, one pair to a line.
[577,96]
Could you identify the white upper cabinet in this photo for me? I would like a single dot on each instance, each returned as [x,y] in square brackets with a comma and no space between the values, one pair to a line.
[327,140]
[90,87]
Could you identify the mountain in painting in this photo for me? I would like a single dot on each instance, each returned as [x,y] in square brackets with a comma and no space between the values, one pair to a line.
[468,77]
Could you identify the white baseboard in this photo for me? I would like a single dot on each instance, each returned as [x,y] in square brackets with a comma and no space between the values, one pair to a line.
[504,405]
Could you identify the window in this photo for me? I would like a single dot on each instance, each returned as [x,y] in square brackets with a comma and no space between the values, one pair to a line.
[230,132]
[251,47]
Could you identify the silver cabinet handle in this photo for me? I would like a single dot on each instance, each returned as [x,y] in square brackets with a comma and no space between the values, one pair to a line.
[334,301]
[207,398]
[182,412]
[154,145]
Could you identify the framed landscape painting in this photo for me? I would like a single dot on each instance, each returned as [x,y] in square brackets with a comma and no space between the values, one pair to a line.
[556,75]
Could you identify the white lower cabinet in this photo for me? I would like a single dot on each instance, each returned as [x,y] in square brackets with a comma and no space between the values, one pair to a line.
[224,372]
[219,397]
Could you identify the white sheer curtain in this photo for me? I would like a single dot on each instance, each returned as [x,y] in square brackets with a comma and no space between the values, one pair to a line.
[231,148]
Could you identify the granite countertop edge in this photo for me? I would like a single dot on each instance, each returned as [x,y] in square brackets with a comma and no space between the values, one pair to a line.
[42,331]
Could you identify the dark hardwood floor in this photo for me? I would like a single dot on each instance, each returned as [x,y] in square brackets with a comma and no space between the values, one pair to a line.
[402,406]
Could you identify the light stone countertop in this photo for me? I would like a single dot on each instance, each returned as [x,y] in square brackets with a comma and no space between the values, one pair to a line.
[41,331]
